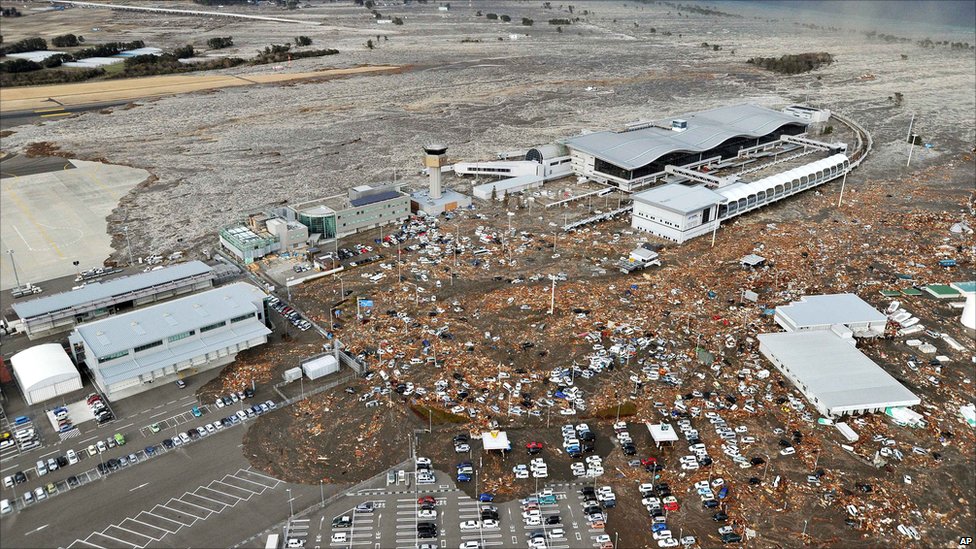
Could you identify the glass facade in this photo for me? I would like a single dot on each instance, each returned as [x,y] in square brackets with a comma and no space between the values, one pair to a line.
[324,225]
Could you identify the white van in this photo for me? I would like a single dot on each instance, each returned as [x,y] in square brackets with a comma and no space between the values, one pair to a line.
[340,537]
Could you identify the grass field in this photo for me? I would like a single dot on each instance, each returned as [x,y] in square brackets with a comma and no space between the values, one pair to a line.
[35,97]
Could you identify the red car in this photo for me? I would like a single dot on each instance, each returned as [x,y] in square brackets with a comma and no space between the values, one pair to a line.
[426,499]
[534,447]
[670,504]
[649,462]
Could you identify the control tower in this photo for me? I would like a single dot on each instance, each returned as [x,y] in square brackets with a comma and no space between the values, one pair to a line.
[435,155]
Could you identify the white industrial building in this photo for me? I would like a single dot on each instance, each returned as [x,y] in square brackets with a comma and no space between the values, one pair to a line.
[833,374]
[825,312]
[61,312]
[680,212]
[128,352]
[320,366]
[44,372]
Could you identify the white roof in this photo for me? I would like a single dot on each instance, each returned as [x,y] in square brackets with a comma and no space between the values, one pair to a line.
[662,432]
[42,366]
[512,184]
[738,191]
[835,372]
[495,440]
[829,309]
[678,198]
[156,322]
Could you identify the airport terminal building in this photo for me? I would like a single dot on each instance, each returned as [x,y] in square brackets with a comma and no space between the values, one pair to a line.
[635,156]
[126,353]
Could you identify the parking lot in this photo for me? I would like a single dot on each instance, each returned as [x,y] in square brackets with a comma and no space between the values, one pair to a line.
[395,514]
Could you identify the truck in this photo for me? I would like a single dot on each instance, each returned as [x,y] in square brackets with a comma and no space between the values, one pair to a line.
[640,258]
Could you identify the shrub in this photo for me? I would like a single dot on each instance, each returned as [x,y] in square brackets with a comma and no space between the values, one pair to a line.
[505,18]
[218,43]
[793,64]
[20,65]
[184,52]
[303,41]
[560,22]
[397,21]
[65,41]
[27,44]
[527,22]
[491,16]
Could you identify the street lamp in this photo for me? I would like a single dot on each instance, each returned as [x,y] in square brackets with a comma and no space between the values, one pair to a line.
[291,508]
[128,244]
[14,265]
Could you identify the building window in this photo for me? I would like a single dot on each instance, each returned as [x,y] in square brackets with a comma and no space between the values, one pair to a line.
[212,326]
[178,337]
[156,343]
[241,318]
[112,356]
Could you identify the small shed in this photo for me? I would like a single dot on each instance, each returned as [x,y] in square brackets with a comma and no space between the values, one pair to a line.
[45,372]
[752,260]
[320,366]
[662,433]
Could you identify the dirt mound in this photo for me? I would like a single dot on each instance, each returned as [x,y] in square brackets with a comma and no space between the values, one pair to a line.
[331,437]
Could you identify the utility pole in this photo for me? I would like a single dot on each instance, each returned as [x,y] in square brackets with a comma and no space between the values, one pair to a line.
[552,298]
[843,182]
[911,139]
[128,245]
[14,265]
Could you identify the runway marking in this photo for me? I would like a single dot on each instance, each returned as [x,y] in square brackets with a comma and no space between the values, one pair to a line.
[30,217]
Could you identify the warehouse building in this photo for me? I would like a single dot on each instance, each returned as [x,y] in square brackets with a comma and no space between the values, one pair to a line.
[44,372]
[834,376]
[61,312]
[127,353]
[263,234]
[636,155]
[824,312]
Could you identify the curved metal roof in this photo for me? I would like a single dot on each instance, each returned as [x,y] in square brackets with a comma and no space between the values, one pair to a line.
[706,130]
[42,366]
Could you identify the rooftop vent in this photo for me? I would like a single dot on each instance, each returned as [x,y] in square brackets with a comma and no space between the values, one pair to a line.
[679,125]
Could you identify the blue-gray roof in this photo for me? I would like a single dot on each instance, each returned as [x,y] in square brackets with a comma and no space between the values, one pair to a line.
[706,130]
[97,291]
[680,198]
[149,324]
[374,198]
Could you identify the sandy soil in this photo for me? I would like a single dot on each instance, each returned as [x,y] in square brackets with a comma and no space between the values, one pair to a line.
[35,97]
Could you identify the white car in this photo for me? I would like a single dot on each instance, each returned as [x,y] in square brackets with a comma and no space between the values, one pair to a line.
[662,534]
[470,525]
[667,542]
[5,507]
[423,461]
[594,460]
[788,451]
[688,540]
[72,457]
[427,514]
[470,545]
[556,533]
[489,524]
[533,521]
[531,513]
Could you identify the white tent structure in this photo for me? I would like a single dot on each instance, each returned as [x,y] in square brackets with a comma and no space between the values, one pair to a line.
[45,372]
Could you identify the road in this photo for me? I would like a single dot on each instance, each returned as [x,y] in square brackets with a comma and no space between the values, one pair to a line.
[19,118]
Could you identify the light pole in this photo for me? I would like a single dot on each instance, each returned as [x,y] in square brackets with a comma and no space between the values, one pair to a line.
[322,491]
[291,508]
[14,265]
[128,244]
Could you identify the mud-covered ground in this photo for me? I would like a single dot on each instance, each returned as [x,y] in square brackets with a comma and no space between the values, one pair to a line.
[220,154]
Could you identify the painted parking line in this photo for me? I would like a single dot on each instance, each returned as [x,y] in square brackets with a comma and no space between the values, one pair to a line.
[106,541]
[231,490]
[148,530]
[203,503]
[180,506]
[174,515]
[128,536]
[81,544]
